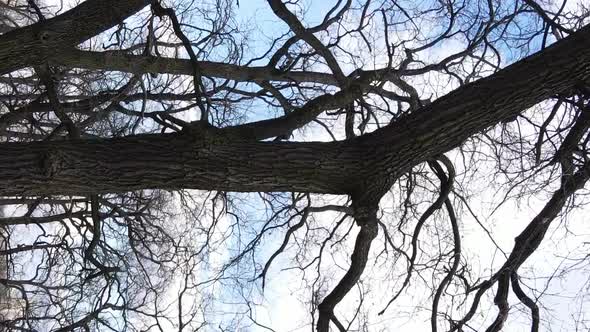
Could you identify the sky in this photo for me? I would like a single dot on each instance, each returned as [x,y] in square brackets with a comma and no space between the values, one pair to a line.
[282,306]
[507,222]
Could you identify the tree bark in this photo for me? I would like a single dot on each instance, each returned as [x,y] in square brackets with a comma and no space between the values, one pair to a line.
[450,120]
[366,218]
[33,44]
[119,61]
[172,161]
[219,160]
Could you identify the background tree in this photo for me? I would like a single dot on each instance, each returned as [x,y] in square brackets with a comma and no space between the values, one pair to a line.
[162,162]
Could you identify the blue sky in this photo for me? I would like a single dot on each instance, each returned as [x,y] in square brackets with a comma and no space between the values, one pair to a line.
[283,307]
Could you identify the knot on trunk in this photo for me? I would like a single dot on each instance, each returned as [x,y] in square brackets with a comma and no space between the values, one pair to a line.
[364,214]
[52,162]
[44,36]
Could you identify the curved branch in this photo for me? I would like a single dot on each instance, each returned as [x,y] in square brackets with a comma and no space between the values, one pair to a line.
[456,242]
[366,218]
[446,185]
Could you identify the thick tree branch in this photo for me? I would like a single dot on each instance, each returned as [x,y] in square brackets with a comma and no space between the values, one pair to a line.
[218,161]
[32,45]
[366,218]
[119,61]
[180,160]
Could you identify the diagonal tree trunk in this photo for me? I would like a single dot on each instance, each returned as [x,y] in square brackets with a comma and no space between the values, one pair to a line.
[33,44]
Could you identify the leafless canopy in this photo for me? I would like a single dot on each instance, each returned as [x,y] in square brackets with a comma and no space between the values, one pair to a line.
[339,165]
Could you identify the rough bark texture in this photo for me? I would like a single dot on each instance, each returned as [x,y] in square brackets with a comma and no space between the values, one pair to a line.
[451,119]
[174,161]
[33,44]
[215,160]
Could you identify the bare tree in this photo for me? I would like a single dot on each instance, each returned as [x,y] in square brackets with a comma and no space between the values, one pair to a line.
[160,160]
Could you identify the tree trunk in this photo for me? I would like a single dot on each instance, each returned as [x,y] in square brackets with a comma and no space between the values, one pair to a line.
[33,44]
[362,166]
[172,161]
